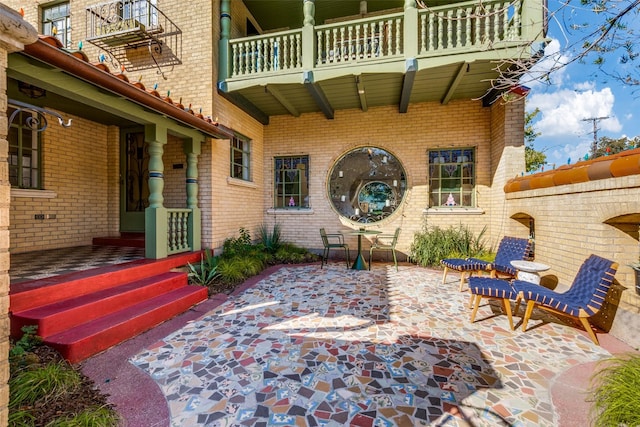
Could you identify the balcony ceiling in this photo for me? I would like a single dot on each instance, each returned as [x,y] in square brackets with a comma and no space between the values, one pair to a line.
[273,14]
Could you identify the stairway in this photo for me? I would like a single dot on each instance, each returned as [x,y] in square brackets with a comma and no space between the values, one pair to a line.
[83,313]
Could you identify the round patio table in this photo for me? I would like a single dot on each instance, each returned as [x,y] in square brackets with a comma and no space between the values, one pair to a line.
[529,271]
[360,263]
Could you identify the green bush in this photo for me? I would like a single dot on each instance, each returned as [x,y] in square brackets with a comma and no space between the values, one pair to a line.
[237,246]
[47,382]
[434,243]
[289,253]
[270,239]
[235,270]
[25,344]
[615,392]
[206,272]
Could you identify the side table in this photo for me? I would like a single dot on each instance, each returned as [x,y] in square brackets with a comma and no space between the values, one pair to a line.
[529,271]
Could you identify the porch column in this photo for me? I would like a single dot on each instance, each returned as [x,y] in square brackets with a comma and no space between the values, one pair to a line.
[223,45]
[194,234]
[155,225]
[308,36]
[410,26]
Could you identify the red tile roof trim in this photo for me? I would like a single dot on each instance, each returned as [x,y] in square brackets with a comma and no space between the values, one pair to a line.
[48,49]
[620,164]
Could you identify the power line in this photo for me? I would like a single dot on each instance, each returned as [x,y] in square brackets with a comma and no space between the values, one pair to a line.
[594,144]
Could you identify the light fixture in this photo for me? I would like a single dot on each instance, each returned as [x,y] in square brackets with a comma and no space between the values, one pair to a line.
[340,174]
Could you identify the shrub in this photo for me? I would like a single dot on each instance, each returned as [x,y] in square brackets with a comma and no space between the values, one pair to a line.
[48,382]
[615,392]
[206,272]
[270,239]
[26,343]
[433,244]
[235,270]
[237,246]
[289,253]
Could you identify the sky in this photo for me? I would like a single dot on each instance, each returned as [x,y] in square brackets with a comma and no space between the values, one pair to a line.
[578,91]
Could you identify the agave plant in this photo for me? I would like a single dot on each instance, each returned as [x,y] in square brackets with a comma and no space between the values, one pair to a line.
[206,271]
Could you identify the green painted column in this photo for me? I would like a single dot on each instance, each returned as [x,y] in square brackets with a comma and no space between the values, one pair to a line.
[308,35]
[224,64]
[156,227]
[410,29]
[194,235]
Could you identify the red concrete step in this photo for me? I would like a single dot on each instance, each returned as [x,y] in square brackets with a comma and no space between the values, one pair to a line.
[62,315]
[36,293]
[88,339]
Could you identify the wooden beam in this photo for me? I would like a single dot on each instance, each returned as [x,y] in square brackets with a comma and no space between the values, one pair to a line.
[275,92]
[464,68]
[318,95]
[361,93]
[245,105]
[410,67]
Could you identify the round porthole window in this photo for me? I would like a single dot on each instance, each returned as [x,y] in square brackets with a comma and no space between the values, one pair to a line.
[367,184]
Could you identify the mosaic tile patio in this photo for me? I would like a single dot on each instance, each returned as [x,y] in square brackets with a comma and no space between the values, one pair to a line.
[331,347]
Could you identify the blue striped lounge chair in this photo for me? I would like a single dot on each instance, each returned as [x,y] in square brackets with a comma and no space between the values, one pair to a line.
[583,299]
[485,287]
[509,249]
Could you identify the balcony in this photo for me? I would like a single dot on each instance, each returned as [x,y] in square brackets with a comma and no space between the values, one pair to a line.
[135,33]
[414,55]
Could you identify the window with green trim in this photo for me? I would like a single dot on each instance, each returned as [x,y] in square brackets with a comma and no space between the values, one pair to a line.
[452,177]
[291,182]
[56,21]
[241,158]
[24,150]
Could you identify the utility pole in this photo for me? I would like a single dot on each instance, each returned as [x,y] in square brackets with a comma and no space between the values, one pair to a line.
[595,120]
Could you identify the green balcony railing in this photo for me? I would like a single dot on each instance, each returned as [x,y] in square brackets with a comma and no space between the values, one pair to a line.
[443,30]
[469,26]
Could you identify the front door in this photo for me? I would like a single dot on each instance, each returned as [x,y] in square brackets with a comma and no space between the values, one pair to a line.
[134,182]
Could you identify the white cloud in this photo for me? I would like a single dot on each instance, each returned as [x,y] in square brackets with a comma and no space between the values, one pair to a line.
[628,116]
[569,153]
[550,70]
[582,86]
[562,113]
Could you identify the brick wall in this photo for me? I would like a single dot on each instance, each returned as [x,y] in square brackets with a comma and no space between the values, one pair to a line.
[76,180]
[571,224]
[408,137]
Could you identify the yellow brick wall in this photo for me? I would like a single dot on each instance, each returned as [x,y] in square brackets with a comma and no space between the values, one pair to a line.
[75,174]
[570,225]
[407,136]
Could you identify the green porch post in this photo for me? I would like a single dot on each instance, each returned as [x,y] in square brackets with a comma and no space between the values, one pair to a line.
[308,35]
[156,227]
[194,235]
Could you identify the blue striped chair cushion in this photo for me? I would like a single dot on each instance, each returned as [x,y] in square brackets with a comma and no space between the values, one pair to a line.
[588,291]
[495,288]
[469,264]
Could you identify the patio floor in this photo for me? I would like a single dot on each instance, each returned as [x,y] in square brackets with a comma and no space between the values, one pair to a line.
[306,346]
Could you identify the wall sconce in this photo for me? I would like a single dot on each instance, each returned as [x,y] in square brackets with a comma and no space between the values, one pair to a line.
[343,198]
[340,174]
[31,91]
[395,182]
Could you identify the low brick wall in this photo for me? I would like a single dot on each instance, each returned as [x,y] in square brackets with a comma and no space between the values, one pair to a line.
[598,215]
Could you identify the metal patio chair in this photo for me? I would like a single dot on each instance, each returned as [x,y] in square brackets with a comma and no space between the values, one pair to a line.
[332,241]
[385,242]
